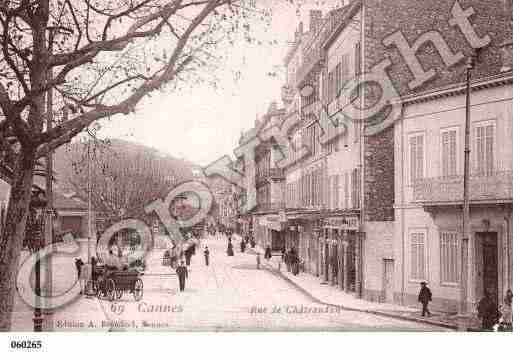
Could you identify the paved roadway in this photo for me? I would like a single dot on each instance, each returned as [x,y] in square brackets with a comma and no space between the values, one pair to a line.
[230,295]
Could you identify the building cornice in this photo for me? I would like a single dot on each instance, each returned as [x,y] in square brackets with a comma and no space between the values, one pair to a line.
[459,88]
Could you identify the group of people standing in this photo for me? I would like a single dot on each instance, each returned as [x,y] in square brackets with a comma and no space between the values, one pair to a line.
[491,315]
[291,259]
[487,310]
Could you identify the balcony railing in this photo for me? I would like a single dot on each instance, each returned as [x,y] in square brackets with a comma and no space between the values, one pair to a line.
[269,207]
[493,187]
[270,174]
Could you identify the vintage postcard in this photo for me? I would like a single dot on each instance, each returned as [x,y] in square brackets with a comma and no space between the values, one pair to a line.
[256,165]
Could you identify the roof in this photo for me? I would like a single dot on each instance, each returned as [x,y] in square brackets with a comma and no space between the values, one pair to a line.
[61,202]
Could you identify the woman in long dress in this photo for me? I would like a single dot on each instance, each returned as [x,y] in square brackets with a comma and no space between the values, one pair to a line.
[229,251]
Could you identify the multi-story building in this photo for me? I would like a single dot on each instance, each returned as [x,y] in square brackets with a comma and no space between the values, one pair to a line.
[379,213]
[430,243]
[267,219]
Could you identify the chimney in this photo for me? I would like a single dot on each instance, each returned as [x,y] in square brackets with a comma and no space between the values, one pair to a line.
[315,20]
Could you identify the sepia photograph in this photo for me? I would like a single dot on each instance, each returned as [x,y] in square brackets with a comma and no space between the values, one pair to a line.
[255,166]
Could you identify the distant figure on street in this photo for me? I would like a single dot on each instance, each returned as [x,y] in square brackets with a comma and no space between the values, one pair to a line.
[267,254]
[188,255]
[229,250]
[487,312]
[294,261]
[507,310]
[182,273]
[206,252]
[78,265]
[258,260]
[425,297]
[242,246]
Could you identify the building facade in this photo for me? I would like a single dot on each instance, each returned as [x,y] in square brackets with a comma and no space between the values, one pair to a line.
[376,214]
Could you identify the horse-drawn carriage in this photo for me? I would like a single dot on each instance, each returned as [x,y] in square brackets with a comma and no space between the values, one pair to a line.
[111,284]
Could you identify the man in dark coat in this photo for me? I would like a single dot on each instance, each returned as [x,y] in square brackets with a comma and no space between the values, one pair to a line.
[181,271]
[425,297]
[206,252]
[487,311]
[268,253]
[188,255]
[78,265]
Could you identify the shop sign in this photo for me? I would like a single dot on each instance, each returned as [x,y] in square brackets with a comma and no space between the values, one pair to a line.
[272,222]
[344,223]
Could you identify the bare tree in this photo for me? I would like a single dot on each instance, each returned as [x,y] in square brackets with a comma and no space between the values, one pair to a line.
[99,58]
[122,182]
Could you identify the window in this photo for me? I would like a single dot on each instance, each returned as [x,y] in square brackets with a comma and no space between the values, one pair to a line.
[416,158]
[418,255]
[449,257]
[449,153]
[484,149]
[345,73]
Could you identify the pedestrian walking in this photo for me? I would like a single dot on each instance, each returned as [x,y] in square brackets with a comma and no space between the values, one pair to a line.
[425,296]
[78,265]
[267,253]
[206,252]
[487,312]
[188,255]
[182,273]
[258,260]
[242,246]
[229,250]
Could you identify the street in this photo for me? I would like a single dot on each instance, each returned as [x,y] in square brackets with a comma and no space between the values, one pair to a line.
[230,294]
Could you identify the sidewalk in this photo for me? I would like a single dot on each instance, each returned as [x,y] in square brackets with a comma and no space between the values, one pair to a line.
[331,295]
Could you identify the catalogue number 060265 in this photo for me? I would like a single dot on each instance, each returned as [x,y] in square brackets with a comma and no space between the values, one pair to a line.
[26,344]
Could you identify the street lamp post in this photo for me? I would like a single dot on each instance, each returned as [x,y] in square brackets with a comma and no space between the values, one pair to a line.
[466,200]
[37,205]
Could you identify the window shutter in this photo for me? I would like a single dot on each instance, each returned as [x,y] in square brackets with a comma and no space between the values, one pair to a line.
[480,150]
[489,149]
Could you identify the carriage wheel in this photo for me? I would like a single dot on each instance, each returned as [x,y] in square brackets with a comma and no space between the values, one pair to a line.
[138,289]
[110,289]
[119,293]
[100,290]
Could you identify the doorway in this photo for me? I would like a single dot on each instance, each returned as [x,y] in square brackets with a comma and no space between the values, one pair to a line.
[490,264]
[388,280]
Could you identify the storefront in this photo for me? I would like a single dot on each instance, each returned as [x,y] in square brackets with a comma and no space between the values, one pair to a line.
[339,252]
[271,230]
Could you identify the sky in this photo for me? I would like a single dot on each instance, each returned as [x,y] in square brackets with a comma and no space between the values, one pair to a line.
[202,124]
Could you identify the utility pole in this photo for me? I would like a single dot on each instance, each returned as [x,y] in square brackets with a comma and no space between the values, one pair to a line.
[466,199]
[49,193]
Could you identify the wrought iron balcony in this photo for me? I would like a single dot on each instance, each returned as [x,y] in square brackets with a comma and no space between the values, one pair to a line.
[276,174]
[270,207]
[495,187]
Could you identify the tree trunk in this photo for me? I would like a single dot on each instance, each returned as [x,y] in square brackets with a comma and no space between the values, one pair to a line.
[11,239]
